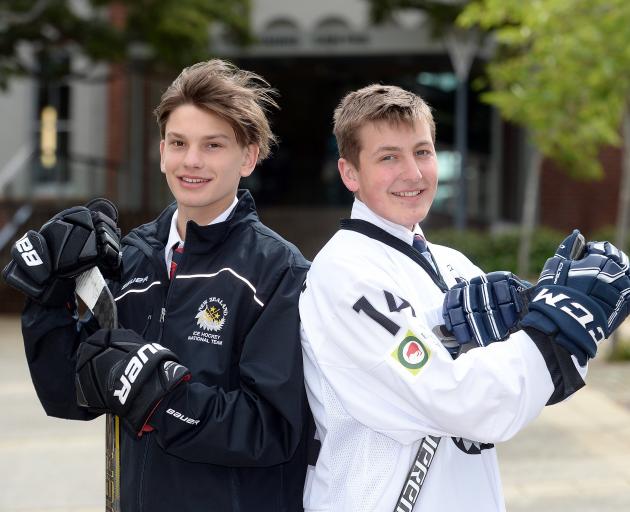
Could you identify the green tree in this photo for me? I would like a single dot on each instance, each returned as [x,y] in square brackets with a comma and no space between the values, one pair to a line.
[164,33]
[562,70]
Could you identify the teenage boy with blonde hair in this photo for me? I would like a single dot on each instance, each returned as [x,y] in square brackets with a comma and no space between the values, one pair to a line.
[215,411]
[390,401]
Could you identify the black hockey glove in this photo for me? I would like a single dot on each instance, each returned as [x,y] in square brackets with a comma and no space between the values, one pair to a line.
[580,302]
[119,372]
[485,310]
[105,219]
[44,263]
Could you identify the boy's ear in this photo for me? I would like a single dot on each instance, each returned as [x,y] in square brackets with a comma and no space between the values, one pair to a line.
[348,173]
[162,168]
[250,158]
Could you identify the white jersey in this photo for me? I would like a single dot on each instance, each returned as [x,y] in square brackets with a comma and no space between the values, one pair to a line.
[378,381]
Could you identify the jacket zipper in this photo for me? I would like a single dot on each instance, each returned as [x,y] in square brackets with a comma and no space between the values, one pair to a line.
[162,315]
[156,261]
[143,467]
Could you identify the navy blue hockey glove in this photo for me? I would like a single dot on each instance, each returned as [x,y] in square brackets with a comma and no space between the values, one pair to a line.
[119,372]
[580,302]
[609,250]
[43,264]
[485,310]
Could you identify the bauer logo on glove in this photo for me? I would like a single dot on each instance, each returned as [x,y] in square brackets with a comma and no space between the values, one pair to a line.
[133,369]
[28,253]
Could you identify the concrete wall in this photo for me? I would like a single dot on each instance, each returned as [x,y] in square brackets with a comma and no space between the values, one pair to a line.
[17,105]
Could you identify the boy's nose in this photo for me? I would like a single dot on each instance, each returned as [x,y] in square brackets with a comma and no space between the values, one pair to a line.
[412,169]
[192,159]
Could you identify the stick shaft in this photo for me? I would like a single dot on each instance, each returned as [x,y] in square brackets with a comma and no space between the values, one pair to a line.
[93,291]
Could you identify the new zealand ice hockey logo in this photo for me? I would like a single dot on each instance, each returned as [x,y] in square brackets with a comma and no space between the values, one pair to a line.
[212,314]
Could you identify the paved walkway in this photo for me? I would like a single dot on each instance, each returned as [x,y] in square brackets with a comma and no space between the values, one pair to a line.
[46,464]
[575,457]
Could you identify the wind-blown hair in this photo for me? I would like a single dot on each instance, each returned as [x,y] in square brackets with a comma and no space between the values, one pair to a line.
[240,97]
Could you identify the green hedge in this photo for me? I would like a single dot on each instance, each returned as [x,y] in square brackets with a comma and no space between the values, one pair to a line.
[499,251]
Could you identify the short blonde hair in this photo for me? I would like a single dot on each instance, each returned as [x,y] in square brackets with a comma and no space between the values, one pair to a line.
[240,97]
[376,103]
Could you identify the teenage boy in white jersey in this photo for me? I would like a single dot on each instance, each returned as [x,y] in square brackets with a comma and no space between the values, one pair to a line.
[379,380]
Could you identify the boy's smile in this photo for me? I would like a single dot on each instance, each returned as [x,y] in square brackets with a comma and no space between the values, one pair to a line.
[397,172]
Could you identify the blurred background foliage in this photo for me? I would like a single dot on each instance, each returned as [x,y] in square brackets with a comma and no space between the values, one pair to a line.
[165,35]
[498,251]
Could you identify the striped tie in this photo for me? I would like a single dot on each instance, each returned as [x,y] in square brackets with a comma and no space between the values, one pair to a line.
[420,245]
[178,250]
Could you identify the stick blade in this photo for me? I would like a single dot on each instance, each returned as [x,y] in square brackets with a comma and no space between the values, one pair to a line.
[93,291]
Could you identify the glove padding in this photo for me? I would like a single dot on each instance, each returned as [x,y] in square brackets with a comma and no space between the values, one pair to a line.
[580,302]
[44,263]
[119,372]
[485,310]
[30,272]
[105,219]
[609,250]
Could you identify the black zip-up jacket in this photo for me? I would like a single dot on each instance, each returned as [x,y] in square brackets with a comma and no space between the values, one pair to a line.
[234,437]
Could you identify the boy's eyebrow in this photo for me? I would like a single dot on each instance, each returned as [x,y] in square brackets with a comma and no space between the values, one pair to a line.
[387,148]
[398,148]
[210,136]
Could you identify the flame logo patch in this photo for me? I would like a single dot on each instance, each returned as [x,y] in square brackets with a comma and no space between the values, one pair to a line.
[411,354]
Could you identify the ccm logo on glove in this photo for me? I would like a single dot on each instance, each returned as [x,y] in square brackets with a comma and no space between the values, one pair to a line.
[133,369]
[577,311]
[29,254]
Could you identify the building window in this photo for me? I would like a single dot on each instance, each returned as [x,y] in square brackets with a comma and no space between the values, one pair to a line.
[280,32]
[52,134]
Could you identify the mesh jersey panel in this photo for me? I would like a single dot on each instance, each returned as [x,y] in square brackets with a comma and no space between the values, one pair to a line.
[363,488]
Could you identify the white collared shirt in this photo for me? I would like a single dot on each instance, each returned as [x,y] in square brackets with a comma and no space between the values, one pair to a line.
[361,211]
[173,235]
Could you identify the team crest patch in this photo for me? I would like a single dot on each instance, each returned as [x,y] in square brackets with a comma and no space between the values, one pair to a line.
[212,314]
[410,355]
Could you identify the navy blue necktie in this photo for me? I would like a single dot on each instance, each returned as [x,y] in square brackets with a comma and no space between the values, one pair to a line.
[420,245]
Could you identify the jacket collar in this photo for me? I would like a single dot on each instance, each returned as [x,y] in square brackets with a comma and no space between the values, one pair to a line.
[198,238]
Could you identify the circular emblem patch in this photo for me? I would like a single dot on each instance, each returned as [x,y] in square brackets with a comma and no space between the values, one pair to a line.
[411,353]
[212,314]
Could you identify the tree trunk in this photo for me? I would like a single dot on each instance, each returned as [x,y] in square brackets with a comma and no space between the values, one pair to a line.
[624,192]
[623,209]
[530,207]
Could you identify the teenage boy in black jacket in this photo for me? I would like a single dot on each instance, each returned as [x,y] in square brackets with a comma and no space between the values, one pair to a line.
[216,415]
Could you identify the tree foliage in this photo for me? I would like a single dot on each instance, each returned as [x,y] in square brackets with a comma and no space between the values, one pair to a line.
[164,33]
[562,70]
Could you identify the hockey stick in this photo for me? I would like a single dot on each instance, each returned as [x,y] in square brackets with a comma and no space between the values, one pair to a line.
[417,473]
[93,291]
